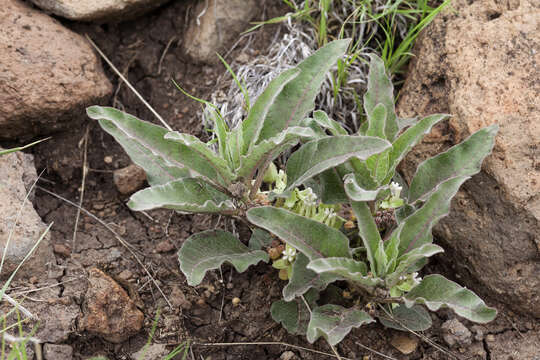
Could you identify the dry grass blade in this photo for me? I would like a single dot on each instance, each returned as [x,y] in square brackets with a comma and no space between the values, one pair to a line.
[258,343]
[116,235]
[121,76]
[83,185]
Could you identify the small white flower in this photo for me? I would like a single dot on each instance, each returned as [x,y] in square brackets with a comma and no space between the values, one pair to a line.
[329,213]
[310,198]
[395,189]
[416,279]
[289,254]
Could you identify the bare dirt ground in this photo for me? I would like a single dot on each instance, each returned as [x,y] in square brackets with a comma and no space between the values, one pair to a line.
[204,314]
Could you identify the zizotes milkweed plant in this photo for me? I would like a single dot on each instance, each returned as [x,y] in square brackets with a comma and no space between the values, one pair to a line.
[338,211]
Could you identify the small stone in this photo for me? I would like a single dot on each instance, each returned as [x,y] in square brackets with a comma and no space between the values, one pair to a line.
[125,275]
[178,299]
[108,159]
[490,338]
[33,280]
[455,333]
[98,206]
[154,351]
[129,179]
[164,246]
[62,249]
[288,355]
[57,352]
[109,311]
[404,343]
[236,301]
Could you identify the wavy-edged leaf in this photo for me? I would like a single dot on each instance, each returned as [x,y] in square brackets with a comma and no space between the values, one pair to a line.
[436,291]
[381,91]
[269,149]
[335,128]
[151,137]
[252,125]
[403,318]
[310,237]
[303,279]
[415,230]
[209,249]
[158,170]
[410,137]
[346,268]
[463,159]
[190,195]
[204,151]
[297,98]
[367,229]
[294,315]
[407,260]
[259,239]
[334,322]
[319,155]
[356,193]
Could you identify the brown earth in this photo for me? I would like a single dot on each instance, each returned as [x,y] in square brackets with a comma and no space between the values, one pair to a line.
[204,314]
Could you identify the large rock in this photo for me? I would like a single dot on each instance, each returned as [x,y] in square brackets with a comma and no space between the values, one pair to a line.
[109,311]
[481,65]
[98,10]
[17,173]
[48,74]
[214,24]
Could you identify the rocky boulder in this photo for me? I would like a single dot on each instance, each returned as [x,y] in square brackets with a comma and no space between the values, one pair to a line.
[98,10]
[214,24]
[48,74]
[20,225]
[481,64]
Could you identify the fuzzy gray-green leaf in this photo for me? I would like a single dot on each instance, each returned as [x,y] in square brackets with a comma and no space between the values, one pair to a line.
[410,137]
[368,231]
[303,279]
[158,170]
[436,291]
[127,127]
[334,322]
[381,91]
[415,230]
[269,149]
[294,315]
[312,238]
[357,193]
[405,261]
[209,249]
[403,318]
[252,125]
[190,195]
[204,151]
[335,128]
[297,98]
[319,155]
[464,159]
[347,268]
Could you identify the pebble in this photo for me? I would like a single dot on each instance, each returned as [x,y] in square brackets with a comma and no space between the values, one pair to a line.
[164,246]
[125,275]
[62,249]
[490,338]
[404,343]
[236,301]
[108,159]
[454,332]
[129,179]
